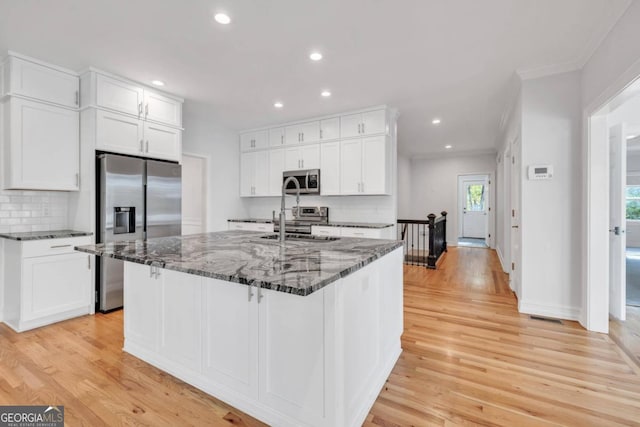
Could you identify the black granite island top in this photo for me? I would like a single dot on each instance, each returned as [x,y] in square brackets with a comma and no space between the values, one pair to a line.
[300,267]
[42,235]
[322,224]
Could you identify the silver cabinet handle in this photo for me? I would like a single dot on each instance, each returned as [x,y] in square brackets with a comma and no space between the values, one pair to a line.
[77,180]
[147,147]
[363,131]
[320,133]
[259,286]
[302,163]
[250,293]
[141,146]
[358,127]
[146,111]
[362,187]
[151,271]
[60,246]
[302,136]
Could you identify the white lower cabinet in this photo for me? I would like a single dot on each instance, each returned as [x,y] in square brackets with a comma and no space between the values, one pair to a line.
[367,233]
[304,157]
[41,146]
[330,168]
[46,281]
[251,226]
[289,360]
[162,142]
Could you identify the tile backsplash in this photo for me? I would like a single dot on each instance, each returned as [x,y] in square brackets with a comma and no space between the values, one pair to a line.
[33,211]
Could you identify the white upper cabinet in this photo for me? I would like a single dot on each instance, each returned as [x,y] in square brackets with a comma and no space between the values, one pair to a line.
[162,142]
[276,167]
[119,95]
[127,97]
[41,82]
[360,124]
[330,168]
[276,137]
[304,157]
[330,129]
[41,149]
[162,109]
[302,132]
[254,140]
[119,133]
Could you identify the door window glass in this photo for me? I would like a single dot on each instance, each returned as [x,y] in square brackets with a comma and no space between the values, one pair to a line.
[475,198]
[633,202]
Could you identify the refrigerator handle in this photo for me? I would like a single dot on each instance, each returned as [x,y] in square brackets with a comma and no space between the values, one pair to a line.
[144,217]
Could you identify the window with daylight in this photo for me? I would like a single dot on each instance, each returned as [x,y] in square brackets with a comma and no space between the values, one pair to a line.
[475,198]
[633,201]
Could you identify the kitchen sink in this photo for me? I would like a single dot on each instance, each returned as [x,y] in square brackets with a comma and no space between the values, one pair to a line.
[302,238]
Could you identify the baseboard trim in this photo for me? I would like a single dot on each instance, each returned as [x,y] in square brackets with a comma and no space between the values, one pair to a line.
[554,311]
[501,260]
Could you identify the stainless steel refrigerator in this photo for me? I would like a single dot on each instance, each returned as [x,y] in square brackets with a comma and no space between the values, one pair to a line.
[137,199]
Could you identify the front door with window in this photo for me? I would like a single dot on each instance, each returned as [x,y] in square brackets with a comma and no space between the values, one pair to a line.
[474,211]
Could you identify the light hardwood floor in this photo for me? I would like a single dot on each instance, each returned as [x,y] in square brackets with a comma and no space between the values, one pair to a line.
[469,359]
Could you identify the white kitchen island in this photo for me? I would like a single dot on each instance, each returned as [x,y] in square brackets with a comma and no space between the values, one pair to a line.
[301,335]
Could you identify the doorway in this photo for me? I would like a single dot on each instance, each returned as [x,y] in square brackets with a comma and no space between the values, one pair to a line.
[194,190]
[473,210]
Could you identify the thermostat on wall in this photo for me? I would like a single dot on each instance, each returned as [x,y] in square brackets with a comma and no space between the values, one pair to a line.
[540,172]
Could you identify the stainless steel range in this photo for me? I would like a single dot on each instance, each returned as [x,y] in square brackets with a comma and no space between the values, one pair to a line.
[303,218]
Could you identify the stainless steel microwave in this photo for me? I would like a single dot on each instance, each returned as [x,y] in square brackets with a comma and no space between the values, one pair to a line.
[308,179]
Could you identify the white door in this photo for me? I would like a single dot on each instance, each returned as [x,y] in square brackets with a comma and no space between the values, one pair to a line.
[516,233]
[276,167]
[330,168]
[475,200]
[194,188]
[162,142]
[45,147]
[374,155]
[119,133]
[617,221]
[350,166]
[292,159]
[163,109]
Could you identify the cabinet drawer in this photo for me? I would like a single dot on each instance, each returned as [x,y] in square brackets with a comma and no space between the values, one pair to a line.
[319,230]
[367,233]
[45,247]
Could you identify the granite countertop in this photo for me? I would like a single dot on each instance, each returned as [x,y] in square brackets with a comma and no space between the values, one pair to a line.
[300,267]
[42,235]
[328,224]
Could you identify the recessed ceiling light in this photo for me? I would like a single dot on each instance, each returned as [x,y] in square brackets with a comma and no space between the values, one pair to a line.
[326,93]
[631,136]
[157,83]
[448,147]
[315,56]
[278,105]
[436,121]
[222,18]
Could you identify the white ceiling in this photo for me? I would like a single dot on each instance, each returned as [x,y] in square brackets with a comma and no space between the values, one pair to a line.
[451,59]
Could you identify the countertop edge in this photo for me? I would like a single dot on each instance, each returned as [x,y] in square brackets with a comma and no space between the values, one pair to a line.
[345,224]
[45,235]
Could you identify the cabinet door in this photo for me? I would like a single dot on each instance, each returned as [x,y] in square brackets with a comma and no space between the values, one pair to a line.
[246,141]
[367,233]
[350,125]
[43,149]
[310,132]
[119,96]
[276,137]
[161,108]
[330,168]
[261,173]
[276,167]
[350,166]
[374,122]
[254,140]
[262,139]
[247,164]
[374,170]
[43,83]
[162,142]
[142,299]
[310,156]
[181,319]
[292,159]
[293,384]
[55,284]
[230,335]
[119,133]
[293,134]
[330,129]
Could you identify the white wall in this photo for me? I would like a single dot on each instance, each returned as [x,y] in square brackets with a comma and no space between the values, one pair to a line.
[434,187]
[404,187]
[551,209]
[205,137]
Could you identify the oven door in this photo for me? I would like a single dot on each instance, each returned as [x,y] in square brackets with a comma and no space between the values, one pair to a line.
[308,180]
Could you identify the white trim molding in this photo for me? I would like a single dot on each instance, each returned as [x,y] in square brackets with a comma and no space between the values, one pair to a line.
[553,311]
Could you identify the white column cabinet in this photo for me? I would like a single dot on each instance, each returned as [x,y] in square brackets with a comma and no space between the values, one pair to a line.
[276,167]
[330,168]
[363,166]
[330,129]
[119,95]
[42,146]
[360,124]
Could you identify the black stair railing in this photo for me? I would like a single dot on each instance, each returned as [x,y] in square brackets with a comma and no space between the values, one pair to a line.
[424,240]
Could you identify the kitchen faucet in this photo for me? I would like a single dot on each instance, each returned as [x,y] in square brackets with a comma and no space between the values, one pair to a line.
[282,208]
